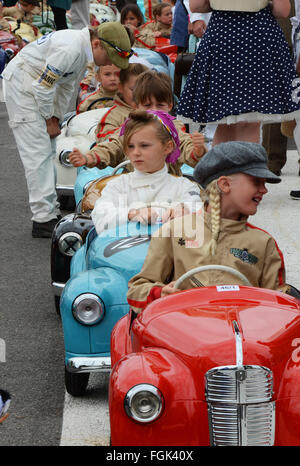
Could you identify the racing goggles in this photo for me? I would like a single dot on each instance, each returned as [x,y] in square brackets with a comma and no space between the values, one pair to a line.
[122,53]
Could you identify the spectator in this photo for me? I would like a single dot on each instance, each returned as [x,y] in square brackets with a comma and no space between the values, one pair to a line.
[39,82]
[274,141]
[59,8]
[80,13]
[239,88]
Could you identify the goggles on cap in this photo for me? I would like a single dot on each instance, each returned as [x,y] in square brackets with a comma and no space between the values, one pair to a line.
[122,53]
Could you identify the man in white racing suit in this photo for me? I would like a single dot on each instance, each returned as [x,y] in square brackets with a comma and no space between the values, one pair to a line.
[38,86]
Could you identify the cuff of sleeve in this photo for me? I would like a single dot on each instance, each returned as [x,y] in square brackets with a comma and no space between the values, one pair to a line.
[155,293]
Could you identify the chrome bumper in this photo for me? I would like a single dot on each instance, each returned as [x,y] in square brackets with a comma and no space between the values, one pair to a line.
[58,288]
[83,364]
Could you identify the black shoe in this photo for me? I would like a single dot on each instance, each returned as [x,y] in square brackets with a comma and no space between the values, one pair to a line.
[295,195]
[45,229]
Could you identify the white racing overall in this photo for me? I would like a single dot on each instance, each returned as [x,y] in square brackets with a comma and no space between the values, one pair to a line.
[39,83]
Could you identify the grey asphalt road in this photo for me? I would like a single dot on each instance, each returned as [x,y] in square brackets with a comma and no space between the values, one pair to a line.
[31,367]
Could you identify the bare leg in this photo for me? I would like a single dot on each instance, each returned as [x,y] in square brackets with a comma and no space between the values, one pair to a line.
[242,131]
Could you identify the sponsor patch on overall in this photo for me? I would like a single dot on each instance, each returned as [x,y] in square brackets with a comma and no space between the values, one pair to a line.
[244,255]
[49,76]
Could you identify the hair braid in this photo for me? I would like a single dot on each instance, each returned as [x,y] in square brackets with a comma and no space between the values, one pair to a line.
[213,196]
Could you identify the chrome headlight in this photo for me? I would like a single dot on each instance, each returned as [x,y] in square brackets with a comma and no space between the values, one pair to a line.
[144,403]
[88,309]
[64,158]
[69,243]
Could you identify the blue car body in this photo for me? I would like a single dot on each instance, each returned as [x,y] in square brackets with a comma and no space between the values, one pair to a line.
[102,267]
[85,175]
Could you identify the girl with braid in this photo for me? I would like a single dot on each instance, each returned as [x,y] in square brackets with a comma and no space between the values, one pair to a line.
[232,176]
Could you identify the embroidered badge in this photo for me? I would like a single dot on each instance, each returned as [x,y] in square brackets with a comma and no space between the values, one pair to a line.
[244,255]
[49,76]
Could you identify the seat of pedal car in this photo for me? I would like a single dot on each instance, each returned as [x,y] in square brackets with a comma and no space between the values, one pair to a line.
[93,192]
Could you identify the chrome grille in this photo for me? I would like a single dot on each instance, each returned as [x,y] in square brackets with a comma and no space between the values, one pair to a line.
[239,405]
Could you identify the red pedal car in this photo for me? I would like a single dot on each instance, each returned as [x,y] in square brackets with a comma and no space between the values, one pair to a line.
[215,365]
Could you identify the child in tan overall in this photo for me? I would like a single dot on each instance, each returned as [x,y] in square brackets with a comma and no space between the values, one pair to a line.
[152,91]
[108,81]
[233,177]
[161,26]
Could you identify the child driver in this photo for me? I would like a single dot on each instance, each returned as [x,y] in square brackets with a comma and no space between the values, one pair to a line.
[233,176]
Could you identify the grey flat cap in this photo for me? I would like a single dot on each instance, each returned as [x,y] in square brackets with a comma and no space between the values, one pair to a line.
[234,157]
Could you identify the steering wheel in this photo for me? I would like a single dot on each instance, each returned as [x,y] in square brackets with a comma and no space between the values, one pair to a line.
[121,165]
[203,268]
[101,99]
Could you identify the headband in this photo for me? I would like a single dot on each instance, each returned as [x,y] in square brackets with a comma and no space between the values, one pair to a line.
[166,120]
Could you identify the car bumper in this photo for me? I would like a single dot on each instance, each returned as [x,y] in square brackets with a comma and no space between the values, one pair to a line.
[83,364]
[65,190]
[57,288]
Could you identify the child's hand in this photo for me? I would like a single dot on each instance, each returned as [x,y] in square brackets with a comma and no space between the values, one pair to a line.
[145,215]
[171,213]
[77,159]
[169,289]
[198,144]
[180,210]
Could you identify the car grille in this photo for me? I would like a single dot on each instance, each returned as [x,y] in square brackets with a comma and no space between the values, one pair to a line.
[239,405]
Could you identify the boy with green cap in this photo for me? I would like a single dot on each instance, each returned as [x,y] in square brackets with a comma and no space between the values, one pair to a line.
[38,86]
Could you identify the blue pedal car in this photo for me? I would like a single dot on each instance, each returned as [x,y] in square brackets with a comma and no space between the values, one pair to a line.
[94,298]
[90,275]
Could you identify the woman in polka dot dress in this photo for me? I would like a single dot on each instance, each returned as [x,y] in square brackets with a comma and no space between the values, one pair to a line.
[243,73]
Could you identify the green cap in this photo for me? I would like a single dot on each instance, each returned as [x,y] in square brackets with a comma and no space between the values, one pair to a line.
[115,41]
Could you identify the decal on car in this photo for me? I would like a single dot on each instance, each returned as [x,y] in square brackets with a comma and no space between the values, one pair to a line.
[125,243]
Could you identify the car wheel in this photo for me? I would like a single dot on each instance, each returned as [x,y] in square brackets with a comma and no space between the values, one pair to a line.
[76,383]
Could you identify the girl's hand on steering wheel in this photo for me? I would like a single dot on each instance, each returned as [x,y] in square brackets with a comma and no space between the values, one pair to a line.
[169,289]
[145,215]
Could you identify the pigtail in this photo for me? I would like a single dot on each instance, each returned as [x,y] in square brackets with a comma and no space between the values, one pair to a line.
[212,195]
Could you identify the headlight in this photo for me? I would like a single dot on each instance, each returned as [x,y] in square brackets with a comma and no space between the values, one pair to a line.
[69,243]
[88,309]
[64,158]
[143,403]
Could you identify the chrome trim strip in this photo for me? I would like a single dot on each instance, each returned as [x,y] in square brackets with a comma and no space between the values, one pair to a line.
[58,288]
[65,190]
[85,364]
[238,344]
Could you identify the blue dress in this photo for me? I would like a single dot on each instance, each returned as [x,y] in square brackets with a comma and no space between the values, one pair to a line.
[243,71]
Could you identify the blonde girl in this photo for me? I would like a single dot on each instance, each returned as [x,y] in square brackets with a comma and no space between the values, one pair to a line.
[233,177]
[150,140]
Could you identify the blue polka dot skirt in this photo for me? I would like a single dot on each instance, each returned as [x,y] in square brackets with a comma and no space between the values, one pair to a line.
[243,71]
